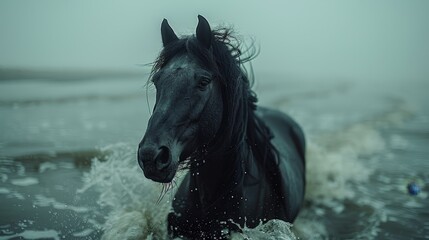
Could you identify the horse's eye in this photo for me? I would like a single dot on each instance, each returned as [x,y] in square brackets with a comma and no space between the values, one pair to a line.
[203,82]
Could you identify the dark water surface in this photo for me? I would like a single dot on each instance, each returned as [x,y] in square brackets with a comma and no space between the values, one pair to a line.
[68,167]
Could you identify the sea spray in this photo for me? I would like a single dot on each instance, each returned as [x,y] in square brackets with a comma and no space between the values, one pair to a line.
[333,164]
[272,230]
[334,161]
[130,198]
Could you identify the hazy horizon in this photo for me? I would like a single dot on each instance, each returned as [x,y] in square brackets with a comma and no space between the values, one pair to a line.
[360,40]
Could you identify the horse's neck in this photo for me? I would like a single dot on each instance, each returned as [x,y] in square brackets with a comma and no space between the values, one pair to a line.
[218,176]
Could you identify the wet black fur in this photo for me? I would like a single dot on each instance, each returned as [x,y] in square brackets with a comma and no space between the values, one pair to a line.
[243,141]
[225,60]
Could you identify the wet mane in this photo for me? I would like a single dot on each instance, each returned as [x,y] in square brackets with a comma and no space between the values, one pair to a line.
[225,59]
[206,121]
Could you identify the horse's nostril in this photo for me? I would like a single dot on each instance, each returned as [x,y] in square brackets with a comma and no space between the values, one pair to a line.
[162,159]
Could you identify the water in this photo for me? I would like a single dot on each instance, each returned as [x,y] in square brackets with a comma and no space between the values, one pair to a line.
[68,167]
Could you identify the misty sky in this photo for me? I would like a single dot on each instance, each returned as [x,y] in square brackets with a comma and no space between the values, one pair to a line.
[340,39]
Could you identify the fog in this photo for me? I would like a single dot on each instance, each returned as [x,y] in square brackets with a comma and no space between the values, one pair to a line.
[353,74]
[358,40]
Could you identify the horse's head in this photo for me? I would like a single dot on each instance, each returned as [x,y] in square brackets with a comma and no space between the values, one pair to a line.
[188,108]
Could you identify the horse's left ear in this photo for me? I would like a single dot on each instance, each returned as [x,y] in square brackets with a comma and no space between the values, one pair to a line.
[204,33]
[167,33]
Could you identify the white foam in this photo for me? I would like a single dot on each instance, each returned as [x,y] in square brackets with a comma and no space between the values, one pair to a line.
[272,230]
[16,195]
[334,161]
[398,142]
[4,191]
[43,201]
[47,166]
[3,177]
[24,182]
[307,228]
[33,234]
[83,233]
[413,204]
[131,198]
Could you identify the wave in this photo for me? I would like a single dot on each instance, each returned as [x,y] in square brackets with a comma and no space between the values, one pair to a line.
[334,164]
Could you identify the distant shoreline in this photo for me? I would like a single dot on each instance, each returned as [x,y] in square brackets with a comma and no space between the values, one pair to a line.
[68,74]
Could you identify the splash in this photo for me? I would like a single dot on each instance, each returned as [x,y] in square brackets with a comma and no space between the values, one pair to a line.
[136,211]
[138,208]
[337,162]
[271,230]
[130,198]
[334,161]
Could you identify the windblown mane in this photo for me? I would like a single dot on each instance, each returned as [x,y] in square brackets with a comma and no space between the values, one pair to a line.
[225,59]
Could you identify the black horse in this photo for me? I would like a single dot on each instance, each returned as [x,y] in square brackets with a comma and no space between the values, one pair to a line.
[246,163]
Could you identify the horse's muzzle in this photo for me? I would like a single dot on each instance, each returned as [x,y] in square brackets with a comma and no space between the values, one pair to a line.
[157,163]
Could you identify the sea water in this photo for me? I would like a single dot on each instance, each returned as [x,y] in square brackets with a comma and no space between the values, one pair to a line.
[68,166]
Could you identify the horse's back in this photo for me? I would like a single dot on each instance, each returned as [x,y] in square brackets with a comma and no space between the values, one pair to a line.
[288,139]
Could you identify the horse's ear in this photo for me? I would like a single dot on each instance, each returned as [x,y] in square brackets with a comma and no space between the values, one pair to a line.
[204,33]
[167,33]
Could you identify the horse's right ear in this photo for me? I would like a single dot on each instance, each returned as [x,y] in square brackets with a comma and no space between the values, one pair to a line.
[167,33]
[204,33]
